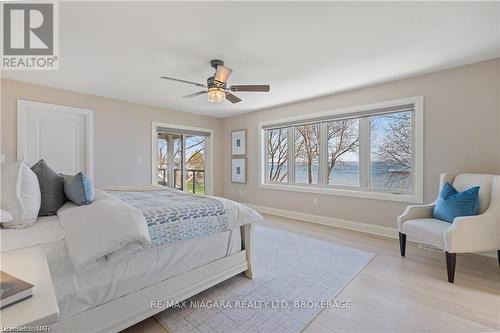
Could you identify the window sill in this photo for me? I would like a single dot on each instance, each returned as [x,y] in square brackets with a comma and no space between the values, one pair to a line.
[412,198]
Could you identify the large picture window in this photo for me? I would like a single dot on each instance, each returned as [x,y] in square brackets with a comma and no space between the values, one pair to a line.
[371,151]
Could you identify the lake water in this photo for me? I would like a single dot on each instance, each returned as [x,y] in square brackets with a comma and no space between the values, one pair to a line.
[383,175]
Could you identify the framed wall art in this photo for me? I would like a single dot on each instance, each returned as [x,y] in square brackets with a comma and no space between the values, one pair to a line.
[239,142]
[239,170]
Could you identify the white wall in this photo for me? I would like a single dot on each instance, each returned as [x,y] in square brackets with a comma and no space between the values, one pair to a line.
[121,131]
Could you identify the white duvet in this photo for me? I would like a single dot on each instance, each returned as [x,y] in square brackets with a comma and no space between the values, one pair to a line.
[107,229]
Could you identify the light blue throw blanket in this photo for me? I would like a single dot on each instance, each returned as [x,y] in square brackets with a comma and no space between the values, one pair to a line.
[173,215]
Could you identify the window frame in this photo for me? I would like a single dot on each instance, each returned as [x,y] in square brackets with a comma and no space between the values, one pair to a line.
[265,148]
[364,190]
[325,151]
[209,149]
[320,175]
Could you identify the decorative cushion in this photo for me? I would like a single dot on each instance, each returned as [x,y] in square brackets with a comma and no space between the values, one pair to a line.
[20,195]
[451,203]
[79,189]
[51,188]
[467,180]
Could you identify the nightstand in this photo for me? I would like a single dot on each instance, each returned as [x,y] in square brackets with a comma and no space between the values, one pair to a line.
[30,265]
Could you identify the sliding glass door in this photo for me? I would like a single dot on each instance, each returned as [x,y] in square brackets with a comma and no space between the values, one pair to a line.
[195,152]
[182,160]
[170,160]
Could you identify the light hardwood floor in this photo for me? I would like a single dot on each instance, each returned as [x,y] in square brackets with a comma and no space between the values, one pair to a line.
[394,294]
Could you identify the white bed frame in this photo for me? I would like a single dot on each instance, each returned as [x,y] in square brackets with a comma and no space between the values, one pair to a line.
[128,310]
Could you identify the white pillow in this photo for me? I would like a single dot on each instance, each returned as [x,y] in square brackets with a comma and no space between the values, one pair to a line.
[5,216]
[20,195]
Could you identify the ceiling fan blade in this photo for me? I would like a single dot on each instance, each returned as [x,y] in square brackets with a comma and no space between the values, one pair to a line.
[233,99]
[222,73]
[251,87]
[184,81]
[195,94]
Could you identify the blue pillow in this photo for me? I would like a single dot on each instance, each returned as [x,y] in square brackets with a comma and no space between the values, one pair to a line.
[79,189]
[452,203]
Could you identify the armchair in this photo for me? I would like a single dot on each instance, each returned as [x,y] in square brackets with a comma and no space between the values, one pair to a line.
[467,233]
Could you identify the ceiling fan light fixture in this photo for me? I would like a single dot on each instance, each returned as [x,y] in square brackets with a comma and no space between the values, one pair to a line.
[217,89]
[216,95]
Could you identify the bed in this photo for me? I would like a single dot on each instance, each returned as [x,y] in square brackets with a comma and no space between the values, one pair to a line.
[114,294]
[132,246]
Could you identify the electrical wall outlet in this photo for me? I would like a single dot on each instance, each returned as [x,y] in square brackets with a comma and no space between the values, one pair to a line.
[2,158]
[139,159]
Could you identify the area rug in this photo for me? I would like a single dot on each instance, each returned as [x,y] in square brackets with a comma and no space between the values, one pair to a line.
[296,278]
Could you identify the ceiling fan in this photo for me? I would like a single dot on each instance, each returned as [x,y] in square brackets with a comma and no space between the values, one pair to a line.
[216,88]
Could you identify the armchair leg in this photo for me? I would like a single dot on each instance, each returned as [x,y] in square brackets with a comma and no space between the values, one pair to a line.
[451,260]
[402,244]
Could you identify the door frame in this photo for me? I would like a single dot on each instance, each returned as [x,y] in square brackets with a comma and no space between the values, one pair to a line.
[209,181]
[23,107]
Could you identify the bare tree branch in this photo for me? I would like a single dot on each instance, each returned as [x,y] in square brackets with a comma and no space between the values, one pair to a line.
[277,150]
[395,147]
[343,137]
[307,147]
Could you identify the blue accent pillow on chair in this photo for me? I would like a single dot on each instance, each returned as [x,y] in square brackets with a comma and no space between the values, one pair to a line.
[452,203]
[79,189]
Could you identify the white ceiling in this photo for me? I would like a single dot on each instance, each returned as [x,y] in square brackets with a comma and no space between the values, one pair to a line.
[303,50]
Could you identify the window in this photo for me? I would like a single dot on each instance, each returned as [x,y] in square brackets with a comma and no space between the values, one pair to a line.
[372,151]
[391,151]
[343,152]
[194,179]
[181,158]
[306,146]
[276,167]
[170,160]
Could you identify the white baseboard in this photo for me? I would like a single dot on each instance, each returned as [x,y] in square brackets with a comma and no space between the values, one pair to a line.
[329,221]
[338,223]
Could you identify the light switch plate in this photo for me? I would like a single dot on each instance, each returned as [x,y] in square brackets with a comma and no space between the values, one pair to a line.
[2,158]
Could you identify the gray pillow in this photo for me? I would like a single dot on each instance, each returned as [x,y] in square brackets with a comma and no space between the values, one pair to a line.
[79,189]
[51,188]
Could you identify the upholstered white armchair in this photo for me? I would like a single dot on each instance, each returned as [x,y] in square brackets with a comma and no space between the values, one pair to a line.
[467,233]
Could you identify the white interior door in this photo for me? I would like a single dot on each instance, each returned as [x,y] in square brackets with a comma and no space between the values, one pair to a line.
[61,135]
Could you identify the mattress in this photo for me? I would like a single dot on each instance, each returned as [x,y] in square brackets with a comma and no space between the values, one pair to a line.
[79,291]
[45,230]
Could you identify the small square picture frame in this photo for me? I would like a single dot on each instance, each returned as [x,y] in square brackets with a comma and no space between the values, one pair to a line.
[239,142]
[239,170]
